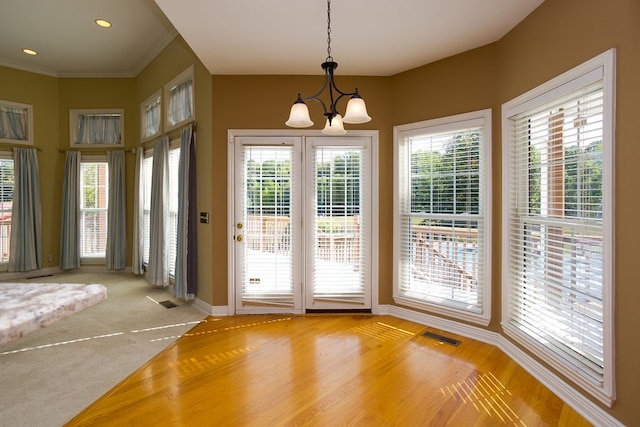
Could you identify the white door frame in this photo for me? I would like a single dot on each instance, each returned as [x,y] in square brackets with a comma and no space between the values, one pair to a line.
[232,134]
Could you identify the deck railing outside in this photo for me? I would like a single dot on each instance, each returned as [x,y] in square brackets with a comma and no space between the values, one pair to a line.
[441,255]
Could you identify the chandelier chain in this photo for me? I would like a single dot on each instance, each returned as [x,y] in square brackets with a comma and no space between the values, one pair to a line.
[329,57]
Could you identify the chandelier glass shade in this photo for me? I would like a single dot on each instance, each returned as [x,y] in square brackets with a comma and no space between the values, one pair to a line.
[356,112]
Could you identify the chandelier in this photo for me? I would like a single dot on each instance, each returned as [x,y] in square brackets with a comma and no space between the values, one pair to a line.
[356,109]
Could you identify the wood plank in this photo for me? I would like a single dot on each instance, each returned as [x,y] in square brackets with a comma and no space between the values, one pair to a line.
[326,370]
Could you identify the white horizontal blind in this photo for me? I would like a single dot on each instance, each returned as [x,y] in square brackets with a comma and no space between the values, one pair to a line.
[147,167]
[441,218]
[174,159]
[94,198]
[267,275]
[6,204]
[339,224]
[555,225]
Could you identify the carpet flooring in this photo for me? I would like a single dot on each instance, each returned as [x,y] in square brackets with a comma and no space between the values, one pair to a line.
[51,374]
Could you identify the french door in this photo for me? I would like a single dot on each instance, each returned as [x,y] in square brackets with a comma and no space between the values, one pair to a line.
[302,224]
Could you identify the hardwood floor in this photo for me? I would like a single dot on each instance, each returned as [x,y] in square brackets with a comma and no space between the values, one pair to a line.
[326,370]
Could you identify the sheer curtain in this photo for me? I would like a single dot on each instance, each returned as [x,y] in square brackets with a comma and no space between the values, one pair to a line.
[180,102]
[186,258]
[116,250]
[99,129]
[26,244]
[159,221]
[70,223]
[138,227]
[13,123]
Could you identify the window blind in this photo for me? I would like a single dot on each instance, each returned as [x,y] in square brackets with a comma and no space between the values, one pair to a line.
[174,159]
[441,218]
[94,198]
[6,204]
[147,168]
[339,224]
[556,230]
[267,276]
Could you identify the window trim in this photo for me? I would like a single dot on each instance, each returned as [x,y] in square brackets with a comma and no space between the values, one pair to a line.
[184,76]
[73,125]
[29,127]
[482,117]
[562,84]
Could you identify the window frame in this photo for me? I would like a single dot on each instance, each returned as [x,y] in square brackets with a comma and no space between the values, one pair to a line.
[155,97]
[74,115]
[183,77]
[28,109]
[84,160]
[481,118]
[565,84]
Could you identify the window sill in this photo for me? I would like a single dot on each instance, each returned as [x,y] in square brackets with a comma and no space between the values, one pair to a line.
[455,313]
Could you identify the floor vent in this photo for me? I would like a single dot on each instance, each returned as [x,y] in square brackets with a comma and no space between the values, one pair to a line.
[441,338]
[167,304]
[39,277]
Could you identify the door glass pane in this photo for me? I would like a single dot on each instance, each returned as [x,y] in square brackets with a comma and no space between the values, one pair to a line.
[267,270]
[339,256]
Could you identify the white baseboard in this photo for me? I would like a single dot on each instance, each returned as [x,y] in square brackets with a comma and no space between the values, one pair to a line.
[211,310]
[585,407]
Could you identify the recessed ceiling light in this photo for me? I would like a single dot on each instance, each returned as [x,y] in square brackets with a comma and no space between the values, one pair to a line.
[103,23]
[29,51]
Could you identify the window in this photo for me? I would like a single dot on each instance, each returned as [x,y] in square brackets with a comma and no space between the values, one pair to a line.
[94,197]
[442,216]
[97,127]
[174,158]
[6,204]
[558,224]
[178,94]
[147,167]
[151,116]
[16,122]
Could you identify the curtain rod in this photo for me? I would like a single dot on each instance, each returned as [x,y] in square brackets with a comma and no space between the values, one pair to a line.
[193,125]
[11,146]
[92,152]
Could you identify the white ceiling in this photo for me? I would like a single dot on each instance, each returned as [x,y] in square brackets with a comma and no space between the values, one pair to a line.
[376,38]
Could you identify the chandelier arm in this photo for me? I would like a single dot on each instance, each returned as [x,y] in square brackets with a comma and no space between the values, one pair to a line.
[316,97]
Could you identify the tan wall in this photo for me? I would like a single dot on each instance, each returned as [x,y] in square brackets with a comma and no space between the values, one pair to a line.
[173,60]
[557,36]
[42,93]
[83,93]
[263,102]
